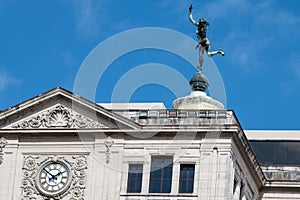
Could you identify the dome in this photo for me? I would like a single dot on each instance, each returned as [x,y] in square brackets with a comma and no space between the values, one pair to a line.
[199,82]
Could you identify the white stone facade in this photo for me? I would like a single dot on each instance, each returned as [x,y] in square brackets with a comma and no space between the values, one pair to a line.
[99,144]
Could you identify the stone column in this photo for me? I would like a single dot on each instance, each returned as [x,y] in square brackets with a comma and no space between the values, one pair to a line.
[175,179]
[213,193]
[204,174]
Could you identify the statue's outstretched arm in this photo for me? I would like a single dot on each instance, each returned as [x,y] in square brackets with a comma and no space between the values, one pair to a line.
[191,16]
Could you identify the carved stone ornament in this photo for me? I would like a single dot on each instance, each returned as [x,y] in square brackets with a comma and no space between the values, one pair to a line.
[58,117]
[3,143]
[34,165]
[108,144]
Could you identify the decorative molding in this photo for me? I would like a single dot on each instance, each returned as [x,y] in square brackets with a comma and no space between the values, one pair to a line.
[247,148]
[79,173]
[31,164]
[58,117]
[282,173]
[29,172]
[108,144]
[3,143]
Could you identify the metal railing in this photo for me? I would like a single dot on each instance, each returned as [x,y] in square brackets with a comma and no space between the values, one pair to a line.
[146,114]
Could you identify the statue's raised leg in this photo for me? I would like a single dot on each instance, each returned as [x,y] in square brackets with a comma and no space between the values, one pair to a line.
[212,53]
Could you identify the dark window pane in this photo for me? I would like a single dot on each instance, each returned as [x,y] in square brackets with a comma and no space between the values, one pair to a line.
[190,187]
[270,152]
[131,175]
[166,187]
[161,174]
[138,185]
[131,186]
[167,172]
[186,181]
[183,186]
[293,152]
[156,161]
[156,174]
[277,152]
[183,172]
[168,161]
[135,175]
[155,186]
[191,174]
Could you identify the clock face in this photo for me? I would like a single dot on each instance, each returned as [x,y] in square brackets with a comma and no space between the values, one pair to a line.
[53,178]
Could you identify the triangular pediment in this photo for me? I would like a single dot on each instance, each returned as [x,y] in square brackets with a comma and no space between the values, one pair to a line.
[61,109]
[57,116]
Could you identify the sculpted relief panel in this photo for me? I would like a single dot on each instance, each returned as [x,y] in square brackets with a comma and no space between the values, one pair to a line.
[58,117]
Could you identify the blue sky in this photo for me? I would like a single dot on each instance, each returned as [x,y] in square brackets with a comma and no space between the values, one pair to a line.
[43,44]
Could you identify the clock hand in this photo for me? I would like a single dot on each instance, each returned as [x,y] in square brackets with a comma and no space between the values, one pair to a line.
[47,172]
[59,173]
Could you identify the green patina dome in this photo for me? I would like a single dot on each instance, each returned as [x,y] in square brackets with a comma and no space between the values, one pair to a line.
[199,82]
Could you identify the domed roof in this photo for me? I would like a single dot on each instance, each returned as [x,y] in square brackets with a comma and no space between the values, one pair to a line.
[199,82]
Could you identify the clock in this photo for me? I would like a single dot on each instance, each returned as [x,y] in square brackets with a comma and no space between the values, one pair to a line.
[53,178]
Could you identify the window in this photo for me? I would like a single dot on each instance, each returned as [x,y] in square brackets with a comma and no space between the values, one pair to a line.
[186,181]
[135,174]
[161,174]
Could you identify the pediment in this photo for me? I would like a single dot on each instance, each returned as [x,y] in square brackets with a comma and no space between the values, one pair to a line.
[57,116]
[61,109]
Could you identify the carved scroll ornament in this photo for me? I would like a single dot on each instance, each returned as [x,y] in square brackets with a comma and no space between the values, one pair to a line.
[3,143]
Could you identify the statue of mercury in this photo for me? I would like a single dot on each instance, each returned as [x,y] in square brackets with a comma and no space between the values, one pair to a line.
[203,42]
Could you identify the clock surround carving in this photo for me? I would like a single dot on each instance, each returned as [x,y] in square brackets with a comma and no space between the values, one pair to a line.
[32,166]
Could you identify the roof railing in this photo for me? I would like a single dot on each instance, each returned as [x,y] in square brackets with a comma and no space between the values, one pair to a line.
[147,114]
